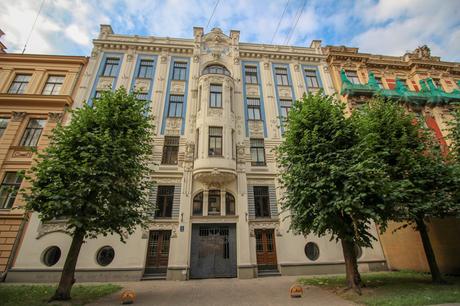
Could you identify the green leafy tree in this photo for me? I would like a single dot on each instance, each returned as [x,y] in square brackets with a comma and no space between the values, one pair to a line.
[332,187]
[427,182]
[95,173]
[454,135]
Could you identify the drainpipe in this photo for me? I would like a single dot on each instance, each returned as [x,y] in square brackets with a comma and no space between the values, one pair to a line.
[9,264]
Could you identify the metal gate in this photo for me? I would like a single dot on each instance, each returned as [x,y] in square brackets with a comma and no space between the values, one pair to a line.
[213,251]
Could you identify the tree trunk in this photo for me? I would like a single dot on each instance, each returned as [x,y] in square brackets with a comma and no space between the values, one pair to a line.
[67,277]
[436,275]
[353,277]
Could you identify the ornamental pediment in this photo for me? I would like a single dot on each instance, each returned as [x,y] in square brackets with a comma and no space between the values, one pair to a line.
[216,43]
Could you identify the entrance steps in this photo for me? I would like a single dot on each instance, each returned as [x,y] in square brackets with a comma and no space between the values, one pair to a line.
[268,273]
[153,276]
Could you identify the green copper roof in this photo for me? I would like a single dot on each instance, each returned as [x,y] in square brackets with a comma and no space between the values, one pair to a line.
[428,94]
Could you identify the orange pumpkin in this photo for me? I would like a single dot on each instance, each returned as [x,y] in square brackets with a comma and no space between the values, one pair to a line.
[128,297]
[296,291]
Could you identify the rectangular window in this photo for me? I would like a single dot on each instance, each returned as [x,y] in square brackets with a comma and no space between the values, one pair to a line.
[97,94]
[254,109]
[142,96]
[179,71]
[170,150]
[251,74]
[352,76]
[3,125]
[175,106]
[215,141]
[378,80]
[32,133]
[111,67]
[214,202]
[19,84]
[165,198]
[312,79]
[145,69]
[285,108]
[215,96]
[261,201]
[9,188]
[257,152]
[281,76]
[53,85]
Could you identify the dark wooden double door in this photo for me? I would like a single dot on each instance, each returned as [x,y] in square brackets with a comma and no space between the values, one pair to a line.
[266,249]
[158,252]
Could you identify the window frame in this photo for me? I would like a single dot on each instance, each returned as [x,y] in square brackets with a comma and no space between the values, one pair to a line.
[27,140]
[145,71]
[282,79]
[228,203]
[53,85]
[261,202]
[257,146]
[170,150]
[179,72]
[213,141]
[11,190]
[310,77]
[254,109]
[164,201]
[251,75]
[215,95]
[22,87]
[215,193]
[198,198]
[354,79]
[284,108]
[111,66]
[173,106]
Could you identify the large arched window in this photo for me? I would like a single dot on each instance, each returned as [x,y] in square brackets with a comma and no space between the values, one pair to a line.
[229,204]
[216,69]
[198,204]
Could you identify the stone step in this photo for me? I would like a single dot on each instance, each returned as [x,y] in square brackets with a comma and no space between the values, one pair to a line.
[267,273]
[153,277]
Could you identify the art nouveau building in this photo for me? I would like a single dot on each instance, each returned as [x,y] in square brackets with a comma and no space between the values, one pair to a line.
[218,106]
[35,90]
[427,86]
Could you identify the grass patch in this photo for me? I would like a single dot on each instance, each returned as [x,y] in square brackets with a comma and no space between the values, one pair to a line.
[393,288]
[38,295]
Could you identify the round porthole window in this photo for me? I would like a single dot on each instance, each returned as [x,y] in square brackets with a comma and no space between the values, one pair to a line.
[51,256]
[358,251]
[105,255]
[312,251]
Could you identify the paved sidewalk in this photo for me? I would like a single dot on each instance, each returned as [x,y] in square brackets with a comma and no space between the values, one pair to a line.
[267,291]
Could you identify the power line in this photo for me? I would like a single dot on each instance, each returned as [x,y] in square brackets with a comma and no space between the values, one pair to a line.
[33,26]
[279,23]
[288,38]
[212,14]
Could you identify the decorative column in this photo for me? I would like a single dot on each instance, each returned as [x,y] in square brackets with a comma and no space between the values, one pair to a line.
[205,201]
[222,203]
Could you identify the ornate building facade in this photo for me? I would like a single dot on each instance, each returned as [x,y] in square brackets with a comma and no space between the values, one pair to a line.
[427,86]
[35,90]
[218,106]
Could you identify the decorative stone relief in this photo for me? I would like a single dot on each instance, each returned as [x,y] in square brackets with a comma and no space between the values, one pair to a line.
[252,90]
[178,87]
[296,67]
[196,58]
[52,227]
[240,154]
[215,112]
[285,92]
[163,59]
[160,226]
[105,83]
[266,65]
[55,117]
[142,85]
[173,126]
[18,116]
[256,129]
[22,153]
[264,225]
[236,61]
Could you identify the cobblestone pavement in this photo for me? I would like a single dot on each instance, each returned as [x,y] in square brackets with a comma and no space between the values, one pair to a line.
[265,291]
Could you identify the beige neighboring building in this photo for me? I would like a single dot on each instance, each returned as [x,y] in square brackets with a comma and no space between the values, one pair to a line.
[218,105]
[35,90]
[430,88]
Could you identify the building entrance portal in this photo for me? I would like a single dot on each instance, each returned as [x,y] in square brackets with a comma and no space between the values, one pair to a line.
[213,251]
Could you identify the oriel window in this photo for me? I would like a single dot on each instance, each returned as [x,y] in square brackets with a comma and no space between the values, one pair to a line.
[257,152]
[281,76]
[111,66]
[251,74]
[179,71]
[215,96]
[176,103]
[32,133]
[170,150]
[9,189]
[215,141]
[165,199]
[254,109]
[312,78]
[261,201]
[19,84]
[53,85]
[145,69]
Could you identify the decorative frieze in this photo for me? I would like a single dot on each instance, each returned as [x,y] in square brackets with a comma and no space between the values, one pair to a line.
[55,117]
[18,116]
[105,83]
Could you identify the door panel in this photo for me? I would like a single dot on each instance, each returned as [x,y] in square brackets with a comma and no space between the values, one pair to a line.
[158,252]
[213,251]
[266,249]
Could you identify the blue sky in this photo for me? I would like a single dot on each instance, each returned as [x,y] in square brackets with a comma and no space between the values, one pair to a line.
[385,27]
